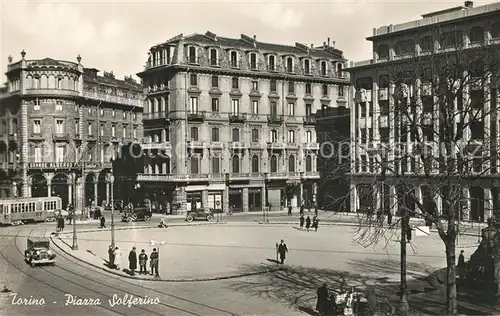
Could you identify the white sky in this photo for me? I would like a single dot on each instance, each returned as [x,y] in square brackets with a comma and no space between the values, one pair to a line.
[116,35]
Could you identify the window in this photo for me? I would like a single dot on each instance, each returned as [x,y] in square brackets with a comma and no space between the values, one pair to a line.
[426,44]
[193,105]
[236,164]
[59,106]
[324,90]
[291,109]
[234,59]
[36,83]
[236,135]
[235,106]
[253,61]
[101,155]
[215,105]
[274,135]
[271,66]
[255,107]
[235,83]
[134,132]
[36,107]
[274,108]
[215,134]
[273,86]
[113,113]
[323,68]
[90,110]
[255,135]
[195,165]
[113,131]
[308,109]
[452,39]
[291,136]
[476,35]
[37,127]
[255,85]
[89,129]
[289,64]
[213,57]
[77,127]
[383,51]
[495,31]
[309,138]
[193,79]
[307,67]
[274,164]
[59,154]
[291,87]
[291,163]
[124,131]
[59,127]
[192,55]
[308,89]
[194,133]
[215,164]
[101,111]
[255,164]
[124,114]
[38,154]
[308,163]
[341,91]
[215,81]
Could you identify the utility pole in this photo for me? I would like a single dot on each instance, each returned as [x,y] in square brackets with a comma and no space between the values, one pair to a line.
[112,209]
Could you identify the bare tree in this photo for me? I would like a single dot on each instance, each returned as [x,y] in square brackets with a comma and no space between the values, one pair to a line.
[442,137]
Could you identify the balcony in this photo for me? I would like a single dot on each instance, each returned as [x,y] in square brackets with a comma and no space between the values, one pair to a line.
[275,145]
[383,94]
[293,119]
[195,144]
[60,137]
[310,175]
[277,176]
[234,63]
[238,145]
[156,116]
[215,62]
[36,136]
[294,175]
[216,145]
[112,98]
[193,60]
[292,145]
[157,62]
[196,116]
[157,146]
[237,117]
[275,119]
[311,146]
[51,92]
[309,120]
[239,176]
[115,139]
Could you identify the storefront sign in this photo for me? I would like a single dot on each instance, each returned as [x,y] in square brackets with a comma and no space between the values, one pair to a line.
[63,165]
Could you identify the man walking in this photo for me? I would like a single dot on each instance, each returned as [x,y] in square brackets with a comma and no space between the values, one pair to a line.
[289,209]
[132,261]
[282,250]
[103,222]
[461,265]
[143,259]
[153,261]
[117,255]
[322,302]
[302,222]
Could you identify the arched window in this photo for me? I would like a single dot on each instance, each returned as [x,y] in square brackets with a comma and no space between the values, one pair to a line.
[308,163]
[236,164]
[476,35]
[192,55]
[274,164]
[495,31]
[255,164]
[383,51]
[291,163]
[426,43]
[194,165]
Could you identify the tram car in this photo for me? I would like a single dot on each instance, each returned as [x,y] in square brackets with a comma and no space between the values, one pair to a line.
[17,211]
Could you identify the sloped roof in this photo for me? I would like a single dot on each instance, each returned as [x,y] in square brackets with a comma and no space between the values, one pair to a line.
[47,62]
[113,82]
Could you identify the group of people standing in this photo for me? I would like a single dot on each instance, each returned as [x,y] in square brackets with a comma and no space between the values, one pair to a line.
[326,305]
[115,260]
[315,222]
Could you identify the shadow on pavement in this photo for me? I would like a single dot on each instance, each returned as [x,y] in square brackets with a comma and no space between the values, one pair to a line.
[296,286]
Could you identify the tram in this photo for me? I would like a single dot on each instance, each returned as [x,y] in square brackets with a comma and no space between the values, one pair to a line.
[16,211]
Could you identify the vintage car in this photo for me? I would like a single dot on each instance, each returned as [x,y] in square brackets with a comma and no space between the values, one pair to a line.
[139,213]
[201,213]
[38,252]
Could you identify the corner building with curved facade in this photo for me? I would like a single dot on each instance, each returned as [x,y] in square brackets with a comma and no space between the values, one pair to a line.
[230,122]
[60,127]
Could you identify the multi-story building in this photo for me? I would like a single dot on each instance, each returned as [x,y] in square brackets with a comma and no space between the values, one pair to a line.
[60,126]
[374,118]
[229,122]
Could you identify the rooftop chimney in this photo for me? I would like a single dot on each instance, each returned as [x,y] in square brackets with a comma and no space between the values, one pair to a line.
[469,4]
[324,45]
[254,37]
[328,41]
[312,45]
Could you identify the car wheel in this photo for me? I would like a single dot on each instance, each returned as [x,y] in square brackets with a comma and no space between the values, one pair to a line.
[147,218]
[130,219]
[134,216]
[190,218]
[210,218]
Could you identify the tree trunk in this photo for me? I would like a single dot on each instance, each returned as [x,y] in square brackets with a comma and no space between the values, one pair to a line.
[451,277]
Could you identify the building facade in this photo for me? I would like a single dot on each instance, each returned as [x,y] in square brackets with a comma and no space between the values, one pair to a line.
[374,120]
[229,123]
[60,127]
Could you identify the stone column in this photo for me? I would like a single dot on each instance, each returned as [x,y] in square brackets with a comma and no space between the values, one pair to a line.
[179,197]
[96,195]
[30,181]
[393,200]
[49,186]
[225,198]
[466,203]
[204,198]
[245,200]
[108,184]
[488,204]
[354,198]
[263,195]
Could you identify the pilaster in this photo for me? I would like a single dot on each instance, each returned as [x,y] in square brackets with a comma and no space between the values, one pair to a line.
[488,204]
[354,198]
[179,199]
[466,204]
[245,200]
[393,200]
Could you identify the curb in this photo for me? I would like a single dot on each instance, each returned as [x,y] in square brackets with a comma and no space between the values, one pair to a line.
[323,224]
[234,276]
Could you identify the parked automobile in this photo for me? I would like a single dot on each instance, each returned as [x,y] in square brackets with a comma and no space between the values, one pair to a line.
[202,214]
[38,252]
[139,213]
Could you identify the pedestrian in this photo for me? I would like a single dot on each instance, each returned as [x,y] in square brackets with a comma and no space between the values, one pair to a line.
[389,218]
[282,250]
[117,255]
[153,261]
[163,222]
[143,259]
[59,226]
[289,209]
[302,209]
[132,261]
[308,222]
[61,219]
[111,257]
[331,305]
[316,211]
[322,302]
[315,223]
[302,222]
[461,265]
[103,222]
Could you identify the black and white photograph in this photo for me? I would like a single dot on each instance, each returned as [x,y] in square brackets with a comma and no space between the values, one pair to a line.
[234,158]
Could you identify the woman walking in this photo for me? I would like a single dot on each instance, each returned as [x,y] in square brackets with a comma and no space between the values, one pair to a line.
[308,223]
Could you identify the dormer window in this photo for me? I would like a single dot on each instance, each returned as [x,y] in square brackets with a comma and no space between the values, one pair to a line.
[192,56]
[271,63]
[289,64]
[214,60]
[323,67]
[234,59]
[307,67]
[253,61]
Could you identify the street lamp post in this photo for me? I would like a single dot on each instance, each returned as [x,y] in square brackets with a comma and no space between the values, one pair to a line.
[112,209]
[75,240]
[159,244]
